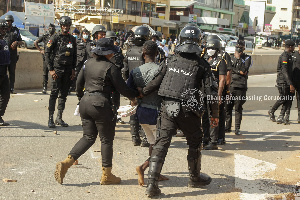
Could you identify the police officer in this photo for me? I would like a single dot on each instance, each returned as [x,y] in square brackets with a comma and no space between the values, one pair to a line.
[4,62]
[219,70]
[178,82]
[134,58]
[83,45]
[62,47]
[295,78]
[99,77]
[285,85]
[13,39]
[45,38]
[241,63]
[98,32]
[157,37]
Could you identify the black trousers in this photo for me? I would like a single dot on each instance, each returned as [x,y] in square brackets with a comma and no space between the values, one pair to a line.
[167,126]
[97,119]
[12,73]
[205,122]
[285,99]
[218,132]
[45,73]
[59,89]
[4,93]
[237,100]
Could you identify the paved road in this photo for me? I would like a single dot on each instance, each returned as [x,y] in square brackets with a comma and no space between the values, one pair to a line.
[264,161]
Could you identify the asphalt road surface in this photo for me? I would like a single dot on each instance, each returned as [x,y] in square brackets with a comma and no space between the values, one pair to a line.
[259,164]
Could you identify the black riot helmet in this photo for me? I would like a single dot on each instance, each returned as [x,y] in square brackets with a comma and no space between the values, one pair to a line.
[3,23]
[110,34]
[141,33]
[65,20]
[213,44]
[158,35]
[189,39]
[98,28]
[9,18]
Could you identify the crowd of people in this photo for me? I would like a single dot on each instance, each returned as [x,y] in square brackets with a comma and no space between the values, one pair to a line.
[192,88]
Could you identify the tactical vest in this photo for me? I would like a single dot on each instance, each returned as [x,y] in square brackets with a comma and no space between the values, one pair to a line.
[64,50]
[95,72]
[135,57]
[238,80]
[4,53]
[142,76]
[214,64]
[180,78]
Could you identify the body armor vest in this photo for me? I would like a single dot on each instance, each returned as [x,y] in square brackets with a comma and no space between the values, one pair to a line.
[4,53]
[180,78]
[214,63]
[135,57]
[64,50]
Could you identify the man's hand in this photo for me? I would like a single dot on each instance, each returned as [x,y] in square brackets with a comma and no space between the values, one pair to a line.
[53,74]
[134,102]
[242,73]
[214,122]
[14,45]
[73,75]
[292,89]
[140,91]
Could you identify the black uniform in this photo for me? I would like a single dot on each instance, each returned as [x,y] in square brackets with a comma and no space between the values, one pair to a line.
[296,79]
[10,37]
[4,82]
[100,78]
[63,49]
[238,89]
[218,67]
[284,80]
[179,82]
[44,38]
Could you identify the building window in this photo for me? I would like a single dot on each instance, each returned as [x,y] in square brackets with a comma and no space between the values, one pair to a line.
[282,20]
[134,8]
[283,9]
[269,1]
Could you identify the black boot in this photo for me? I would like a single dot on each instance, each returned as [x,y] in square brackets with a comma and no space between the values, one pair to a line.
[59,120]
[134,130]
[271,115]
[50,121]
[280,119]
[44,89]
[2,123]
[197,179]
[298,118]
[145,142]
[286,120]
[155,167]
[228,122]
[211,146]
[238,132]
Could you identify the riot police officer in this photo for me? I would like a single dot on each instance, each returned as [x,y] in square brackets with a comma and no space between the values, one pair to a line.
[82,55]
[285,85]
[99,77]
[4,62]
[45,38]
[219,70]
[241,63]
[13,39]
[98,32]
[178,82]
[61,47]
[134,58]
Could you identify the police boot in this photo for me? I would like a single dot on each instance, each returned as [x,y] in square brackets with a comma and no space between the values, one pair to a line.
[44,89]
[62,168]
[2,123]
[155,167]
[271,115]
[286,120]
[59,120]
[280,119]
[50,121]
[238,132]
[108,178]
[197,179]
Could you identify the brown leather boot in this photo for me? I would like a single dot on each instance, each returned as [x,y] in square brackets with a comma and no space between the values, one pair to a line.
[108,178]
[62,168]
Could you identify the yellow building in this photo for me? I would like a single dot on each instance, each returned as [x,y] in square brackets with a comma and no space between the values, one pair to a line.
[116,14]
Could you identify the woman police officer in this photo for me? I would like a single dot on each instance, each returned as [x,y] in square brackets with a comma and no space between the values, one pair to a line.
[100,78]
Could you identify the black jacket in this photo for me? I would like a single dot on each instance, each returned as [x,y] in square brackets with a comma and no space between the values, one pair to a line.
[243,64]
[284,69]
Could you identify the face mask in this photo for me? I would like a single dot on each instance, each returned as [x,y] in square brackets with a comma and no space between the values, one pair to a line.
[211,52]
[85,36]
[75,36]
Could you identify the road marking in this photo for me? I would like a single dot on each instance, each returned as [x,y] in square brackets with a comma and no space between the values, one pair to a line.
[262,75]
[92,154]
[248,177]
[272,134]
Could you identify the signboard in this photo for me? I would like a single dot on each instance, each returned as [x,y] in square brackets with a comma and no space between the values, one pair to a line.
[115,19]
[192,18]
[39,9]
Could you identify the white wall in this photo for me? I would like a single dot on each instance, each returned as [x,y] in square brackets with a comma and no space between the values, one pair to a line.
[282,15]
